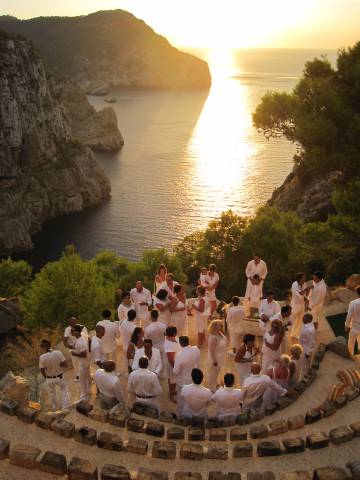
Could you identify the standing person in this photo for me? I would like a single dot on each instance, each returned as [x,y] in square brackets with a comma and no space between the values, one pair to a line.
[125,305]
[352,323]
[307,341]
[200,315]
[298,303]
[163,305]
[127,328]
[160,278]
[271,347]
[156,331]
[253,294]
[108,385]
[267,310]
[213,282]
[234,320]
[152,354]
[185,360]
[196,398]
[285,317]
[51,364]
[144,386]
[171,348]
[97,354]
[178,310]
[203,278]
[216,353]
[142,300]
[245,356]
[228,398]
[81,351]
[169,284]
[135,344]
[296,364]
[317,296]
[109,345]
[69,342]
[256,266]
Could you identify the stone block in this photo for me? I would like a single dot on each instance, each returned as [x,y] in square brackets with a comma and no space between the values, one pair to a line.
[138,446]
[167,417]
[243,418]
[237,434]
[191,451]
[313,415]
[213,422]
[118,416]
[86,435]
[151,412]
[296,422]
[135,425]
[110,441]
[294,445]
[341,401]
[317,440]
[175,433]
[354,468]
[217,452]
[114,472]
[339,346]
[341,435]
[84,407]
[165,450]
[181,421]
[298,475]
[99,414]
[63,428]
[196,434]
[15,388]
[224,476]
[329,473]
[300,388]
[138,408]
[259,431]
[270,410]
[278,427]
[352,393]
[242,450]
[261,476]
[268,448]
[196,422]
[256,415]
[315,364]
[146,474]
[187,476]
[328,408]
[282,403]
[27,414]
[24,456]
[217,435]
[54,463]
[292,395]
[229,421]
[81,469]
[155,429]
[44,420]
[8,406]
[4,448]
[355,427]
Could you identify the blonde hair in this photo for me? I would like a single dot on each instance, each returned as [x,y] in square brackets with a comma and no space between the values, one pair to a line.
[296,351]
[285,360]
[215,326]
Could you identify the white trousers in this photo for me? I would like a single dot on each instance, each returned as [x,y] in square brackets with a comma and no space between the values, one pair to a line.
[52,384]
[352,340]
[75,364]
[316,312]
[234,339]
[297,319]
[213,375]
[84,381]
[180,403]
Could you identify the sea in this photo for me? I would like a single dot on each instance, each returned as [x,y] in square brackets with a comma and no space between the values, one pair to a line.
[188,156]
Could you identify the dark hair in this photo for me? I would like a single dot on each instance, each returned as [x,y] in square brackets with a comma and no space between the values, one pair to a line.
[201,290]
[143,362]
[131,315]
[197,376]
[249,338]
[106,313]
[135,335]
[154,314]
[299,275]
[308,316]
[319,274]
[124,294]
[358,289]
[162,294]
[161,266]
[257,254]
[171,275]
[171,331]
[286,309]
[184,341]
[229,379]
[235,300]
[212,267]
[77,328]
[109,366]
[147,340]
[45,343]
[269,292]
[177,288]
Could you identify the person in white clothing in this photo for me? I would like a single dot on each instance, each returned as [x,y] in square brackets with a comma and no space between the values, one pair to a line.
[109,344]
[152,354]
[51,364]
[352,323]
[144,385]
[216,353]
[267,310]
[127,328]
[271,347]
[108,385]
[125,305]
[257,266]
[212,284]
[307,341]
[69,342]
[203,278]
[196,398]
[228,398]
[178,310]
[160,278]
[171,348]
[234,319]
[97,354]
[163,305]
[141,297]
[253,294]
[185,360]
[156,332]
[298,303]
[169,285]
[200,315]
[296,364]
[317,297]
[81,351]
[285,317]
[245,356]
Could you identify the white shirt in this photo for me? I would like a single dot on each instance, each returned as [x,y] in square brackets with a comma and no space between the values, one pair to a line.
[203,280]
[155,363]
[212,279]
[97,354]
[262,379]
[228,400]
[123,311]
[297,299]
[317,294]
[165,286]
[144,296]
[196,398]
[50,361]
[307,338]
[353,316]
[269,308]
[71,338]
[187,359]
[253,294]
[156,332]
[256,269]
[126,330]
[235,315]
[284,320]
[107,383]
[109,338]
[144,383]
[82,345]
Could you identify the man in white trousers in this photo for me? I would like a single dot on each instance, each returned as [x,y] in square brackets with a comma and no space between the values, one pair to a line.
[141,297]
[352,323]
[317,297]
[109,344]
[81,352]
[234,321]
[269,307]
[69,342]
[256,266]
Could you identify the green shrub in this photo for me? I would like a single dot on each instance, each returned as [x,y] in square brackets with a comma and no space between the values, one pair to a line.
[15,276]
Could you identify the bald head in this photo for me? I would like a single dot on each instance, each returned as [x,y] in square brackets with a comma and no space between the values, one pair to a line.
[100,331]
[109,366]
[255,368]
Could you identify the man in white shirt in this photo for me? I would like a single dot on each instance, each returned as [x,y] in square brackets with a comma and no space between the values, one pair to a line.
[268,309]
[185,360]
[142,300]
[152,354]
[108,385]
[257,266]
[144,385]
[109,339]
[307,341]
[317,296]
[127,328]
[196,397]
[255,386]
[81,352]
[97,354]
[234,318]
[298,303]
[169,284]
[69,342]
[352,323]
[228,398]
[51,364]
[156,331]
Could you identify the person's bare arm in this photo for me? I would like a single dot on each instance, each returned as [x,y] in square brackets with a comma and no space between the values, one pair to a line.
[239,357]
[201,307]
[130,354]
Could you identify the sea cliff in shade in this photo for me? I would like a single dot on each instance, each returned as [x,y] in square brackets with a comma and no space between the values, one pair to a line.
[110,48]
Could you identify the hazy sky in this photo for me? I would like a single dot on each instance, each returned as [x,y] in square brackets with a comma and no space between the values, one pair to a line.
[227,23]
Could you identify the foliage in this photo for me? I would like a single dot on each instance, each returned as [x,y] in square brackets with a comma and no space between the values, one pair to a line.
[14,277]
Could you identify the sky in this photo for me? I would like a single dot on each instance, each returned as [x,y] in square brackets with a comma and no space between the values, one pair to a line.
[226,23]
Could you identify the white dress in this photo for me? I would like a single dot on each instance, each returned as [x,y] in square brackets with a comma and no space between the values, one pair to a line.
[216,354]
[123,311]
[244,369]
[165,316]
[168,369]
[212,280]
[179,319]
[200,318]
[269,355]
[298,308]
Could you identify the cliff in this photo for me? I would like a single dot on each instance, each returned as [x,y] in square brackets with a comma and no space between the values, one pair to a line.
[110,48]
[44,172]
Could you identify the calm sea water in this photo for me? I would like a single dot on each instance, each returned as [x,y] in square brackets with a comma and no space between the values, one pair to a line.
[188,156]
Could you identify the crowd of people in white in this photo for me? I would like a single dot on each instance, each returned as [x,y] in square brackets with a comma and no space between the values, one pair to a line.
[153,330]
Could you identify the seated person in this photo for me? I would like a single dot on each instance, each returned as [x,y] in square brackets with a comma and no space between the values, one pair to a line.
[144,386]
[228,398]
[196,397]
[108,385]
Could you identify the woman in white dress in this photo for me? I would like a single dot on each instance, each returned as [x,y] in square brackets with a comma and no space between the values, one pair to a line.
[171,347]
[163,305]
[245,355]
[126,304]
[216,353]
[298,304]
[178,310]
[160,278]
[200,315]
[271,348]
[136,342]
[213,282]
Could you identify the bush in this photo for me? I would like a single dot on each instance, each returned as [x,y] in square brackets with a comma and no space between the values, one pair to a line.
[15,276]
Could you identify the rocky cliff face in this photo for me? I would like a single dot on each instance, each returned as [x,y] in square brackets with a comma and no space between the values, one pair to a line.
[110,48]
[44,173]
